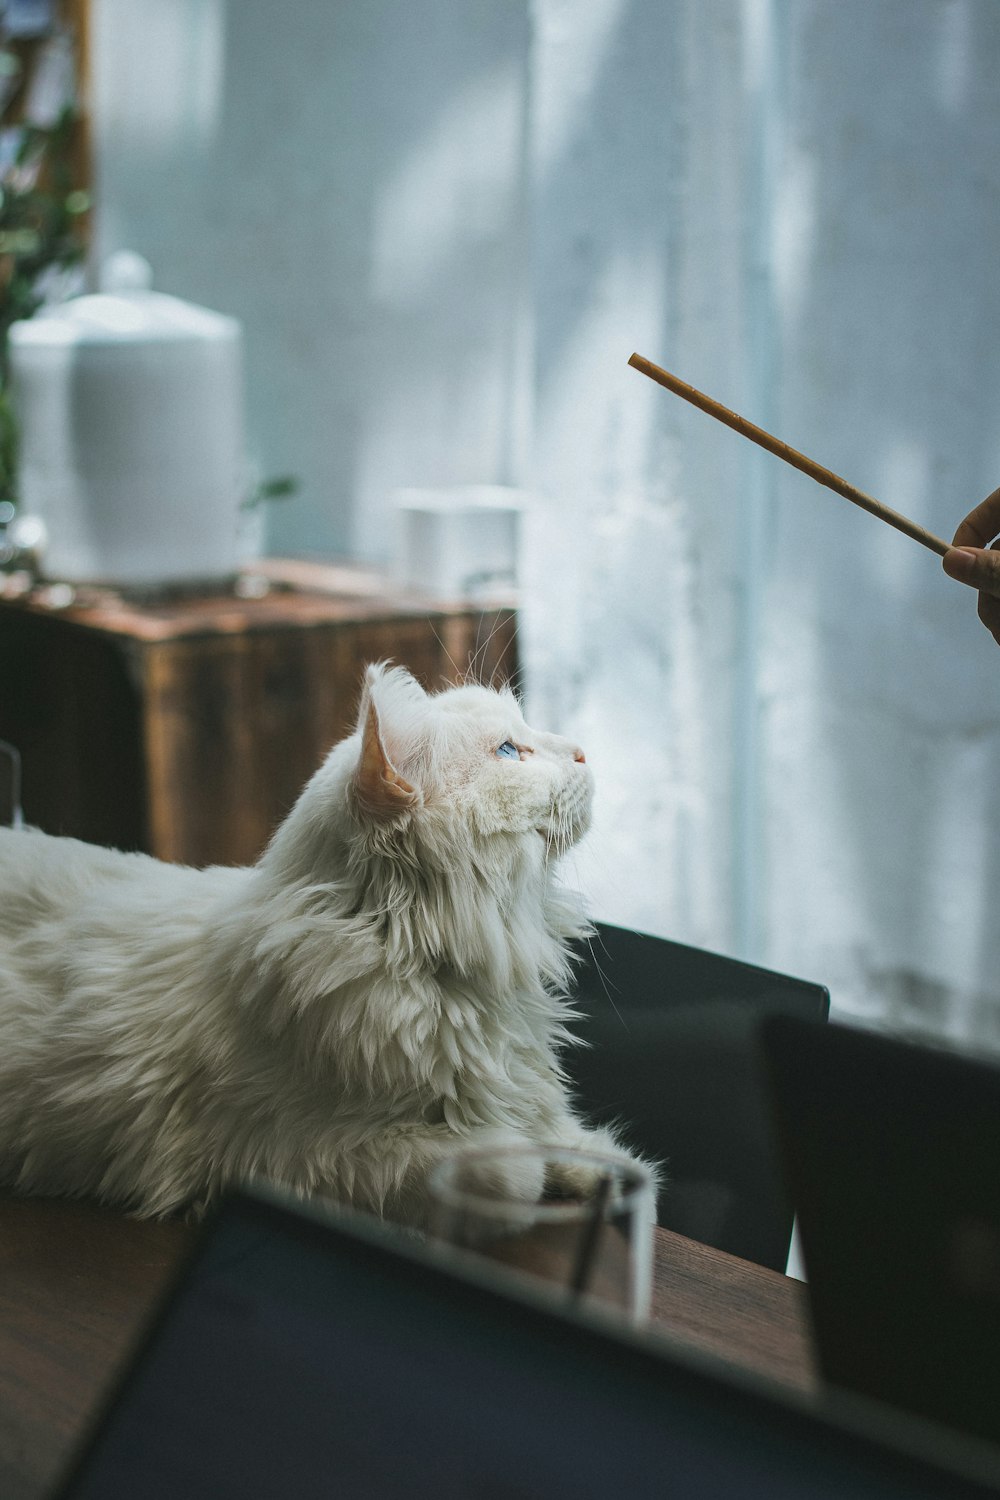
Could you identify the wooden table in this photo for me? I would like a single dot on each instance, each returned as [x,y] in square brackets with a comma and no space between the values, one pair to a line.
[77,1283]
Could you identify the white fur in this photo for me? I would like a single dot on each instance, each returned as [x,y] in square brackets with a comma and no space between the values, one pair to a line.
[382,985]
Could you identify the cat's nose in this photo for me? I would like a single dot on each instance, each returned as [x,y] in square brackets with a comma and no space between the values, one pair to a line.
[579,756]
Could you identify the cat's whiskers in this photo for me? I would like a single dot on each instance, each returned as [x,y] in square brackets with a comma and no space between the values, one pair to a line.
[474,675]
[605,985]
[562,826]
[458,677]
[480,652]
[505,680]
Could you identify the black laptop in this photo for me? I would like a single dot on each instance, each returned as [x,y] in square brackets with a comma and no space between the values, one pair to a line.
[671,1058]
[892,1150]
[303,1357]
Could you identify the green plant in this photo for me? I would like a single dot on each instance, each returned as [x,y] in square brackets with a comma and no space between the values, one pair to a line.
[42,232]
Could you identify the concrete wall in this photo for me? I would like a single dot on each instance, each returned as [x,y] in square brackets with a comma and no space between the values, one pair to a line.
[446,225]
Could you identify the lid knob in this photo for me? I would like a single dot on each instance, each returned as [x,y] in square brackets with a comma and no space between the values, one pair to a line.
[126,271]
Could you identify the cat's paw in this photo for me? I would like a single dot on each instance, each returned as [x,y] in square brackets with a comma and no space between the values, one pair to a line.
[578,1178]
[501,1170]
[575,1180]
[581,1178]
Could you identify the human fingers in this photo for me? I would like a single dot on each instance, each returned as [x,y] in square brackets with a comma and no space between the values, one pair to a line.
[989,613]
[989,606]
[980,525]
[979,568]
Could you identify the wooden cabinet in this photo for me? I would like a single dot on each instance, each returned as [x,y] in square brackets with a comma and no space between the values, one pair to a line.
[187,728]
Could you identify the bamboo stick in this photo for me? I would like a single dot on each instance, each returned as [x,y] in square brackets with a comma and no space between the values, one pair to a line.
[790,455]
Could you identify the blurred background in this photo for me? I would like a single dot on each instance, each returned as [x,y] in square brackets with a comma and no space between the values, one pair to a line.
[446,224]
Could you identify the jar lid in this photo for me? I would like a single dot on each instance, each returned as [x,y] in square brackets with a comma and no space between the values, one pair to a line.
[125,310]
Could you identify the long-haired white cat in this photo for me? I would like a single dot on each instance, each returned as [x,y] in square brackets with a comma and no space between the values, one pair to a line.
[381,986]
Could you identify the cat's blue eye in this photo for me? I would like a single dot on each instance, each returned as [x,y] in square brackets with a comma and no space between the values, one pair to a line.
[508,751]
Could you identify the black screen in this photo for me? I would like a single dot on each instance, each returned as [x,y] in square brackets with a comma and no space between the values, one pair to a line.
[296,1360]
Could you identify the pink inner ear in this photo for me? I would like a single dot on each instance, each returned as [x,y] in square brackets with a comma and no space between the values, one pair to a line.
[380,788]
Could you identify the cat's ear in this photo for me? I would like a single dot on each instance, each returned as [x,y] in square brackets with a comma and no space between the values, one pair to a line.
[380,789]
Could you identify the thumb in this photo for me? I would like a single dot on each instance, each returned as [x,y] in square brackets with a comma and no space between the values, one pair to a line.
[975,566]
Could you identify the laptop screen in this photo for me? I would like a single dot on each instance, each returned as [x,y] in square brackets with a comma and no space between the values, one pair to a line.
[302,1359]
[892,1150]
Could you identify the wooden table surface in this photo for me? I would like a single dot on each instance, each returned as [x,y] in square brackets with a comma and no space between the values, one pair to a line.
[77,1283]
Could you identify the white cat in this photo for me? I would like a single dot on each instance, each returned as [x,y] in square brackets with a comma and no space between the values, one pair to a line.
[382,985]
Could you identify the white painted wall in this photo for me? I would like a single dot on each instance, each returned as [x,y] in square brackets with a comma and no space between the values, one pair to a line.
[446,225]
[344,177]
[881,692]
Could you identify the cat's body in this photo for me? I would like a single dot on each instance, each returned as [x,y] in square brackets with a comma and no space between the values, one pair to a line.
[380,987]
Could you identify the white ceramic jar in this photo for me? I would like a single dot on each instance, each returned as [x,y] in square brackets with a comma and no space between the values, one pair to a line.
[130,406]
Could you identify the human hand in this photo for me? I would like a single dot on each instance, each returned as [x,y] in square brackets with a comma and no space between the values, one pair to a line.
[974,558]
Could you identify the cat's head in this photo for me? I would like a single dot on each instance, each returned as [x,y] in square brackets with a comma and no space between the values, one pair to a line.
[430,785]
[464,755]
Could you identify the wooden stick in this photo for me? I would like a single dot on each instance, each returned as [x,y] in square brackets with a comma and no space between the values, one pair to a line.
[790,455]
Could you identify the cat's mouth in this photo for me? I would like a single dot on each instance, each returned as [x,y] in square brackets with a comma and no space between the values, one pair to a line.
[560,832]
[567,817]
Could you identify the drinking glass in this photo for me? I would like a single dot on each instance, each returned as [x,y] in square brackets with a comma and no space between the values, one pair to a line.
[591,1249]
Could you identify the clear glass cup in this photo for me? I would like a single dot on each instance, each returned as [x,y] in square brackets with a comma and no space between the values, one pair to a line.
[10,786]
[578,1223]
